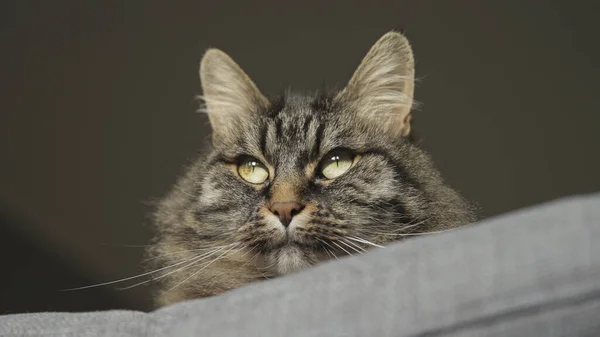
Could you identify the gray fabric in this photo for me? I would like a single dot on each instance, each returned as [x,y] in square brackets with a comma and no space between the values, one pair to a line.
[530,273]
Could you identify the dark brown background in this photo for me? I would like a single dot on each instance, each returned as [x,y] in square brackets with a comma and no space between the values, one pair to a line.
[97,112]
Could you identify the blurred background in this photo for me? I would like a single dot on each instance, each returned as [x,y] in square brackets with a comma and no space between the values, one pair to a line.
[97,113]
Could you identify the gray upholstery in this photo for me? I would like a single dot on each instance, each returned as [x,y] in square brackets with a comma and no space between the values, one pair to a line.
[534,272]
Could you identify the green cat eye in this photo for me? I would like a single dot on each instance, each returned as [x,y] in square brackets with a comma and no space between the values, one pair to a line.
[253,171]
[336,163]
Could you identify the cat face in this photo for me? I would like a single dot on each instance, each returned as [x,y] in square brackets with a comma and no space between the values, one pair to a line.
[297,180]
[307,181]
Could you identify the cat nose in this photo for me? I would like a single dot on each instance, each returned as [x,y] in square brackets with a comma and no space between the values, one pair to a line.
[286,210]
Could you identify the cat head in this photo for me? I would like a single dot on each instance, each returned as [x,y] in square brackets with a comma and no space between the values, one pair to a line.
[301,179]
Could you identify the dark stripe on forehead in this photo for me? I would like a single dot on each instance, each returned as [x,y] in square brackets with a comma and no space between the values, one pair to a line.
[277,105]
[306,125]
[270,143]
[322,103]
[278,128]
[293,126]
[318,137]
[263,139]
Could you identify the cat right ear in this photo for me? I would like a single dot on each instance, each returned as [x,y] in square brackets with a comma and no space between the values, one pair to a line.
[229,94]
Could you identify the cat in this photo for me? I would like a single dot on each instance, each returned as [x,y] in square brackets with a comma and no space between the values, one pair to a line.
[296,180]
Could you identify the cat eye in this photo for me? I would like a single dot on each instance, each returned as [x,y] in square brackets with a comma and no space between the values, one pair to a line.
[336,163]
[252,171]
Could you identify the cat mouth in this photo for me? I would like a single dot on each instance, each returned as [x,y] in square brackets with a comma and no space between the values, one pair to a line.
[291,250]
[290,238]
[288,241]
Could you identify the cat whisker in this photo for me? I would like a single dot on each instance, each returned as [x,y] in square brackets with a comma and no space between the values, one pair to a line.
[333,253]
[145,246]
[418,233]
[333,249]
[253,257]
[357,239]
[201,269]
[273,264]
[261,268]
[432,232]
[263,274]
[183,251]
[246,252]
[342,248]
[351,247]
[131,277]
[355,245]
[124,246]
[196,260]
[412,225]
[327,251]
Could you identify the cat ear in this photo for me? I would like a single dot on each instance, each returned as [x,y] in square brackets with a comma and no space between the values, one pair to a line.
[229,94]
[381,89]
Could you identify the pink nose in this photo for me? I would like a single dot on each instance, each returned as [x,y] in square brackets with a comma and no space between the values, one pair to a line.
[286,210]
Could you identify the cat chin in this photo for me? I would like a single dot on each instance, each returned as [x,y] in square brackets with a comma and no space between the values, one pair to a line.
[290,259]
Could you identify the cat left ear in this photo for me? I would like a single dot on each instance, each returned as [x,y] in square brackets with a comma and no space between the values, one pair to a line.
[382,87]
[229,94]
